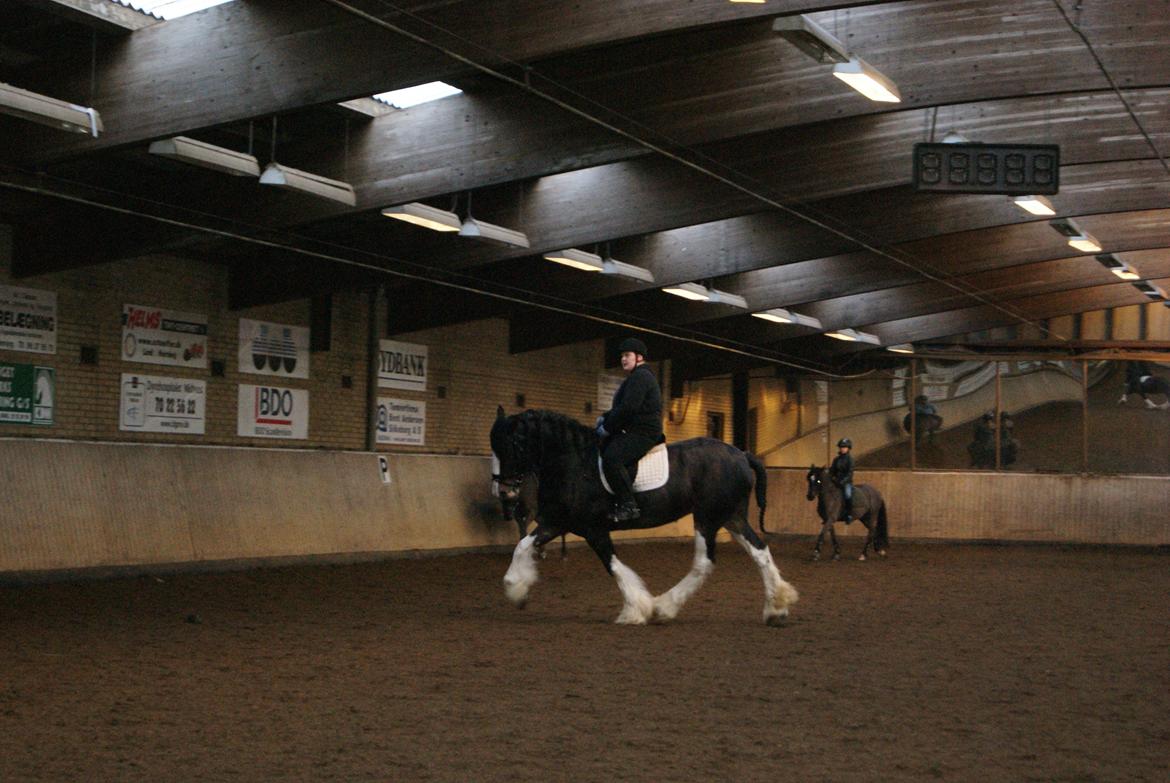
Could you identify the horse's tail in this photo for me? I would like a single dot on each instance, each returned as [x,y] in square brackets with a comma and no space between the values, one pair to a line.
[761,486]
[881,536]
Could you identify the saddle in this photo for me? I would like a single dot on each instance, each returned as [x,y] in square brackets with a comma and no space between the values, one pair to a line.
[651,472]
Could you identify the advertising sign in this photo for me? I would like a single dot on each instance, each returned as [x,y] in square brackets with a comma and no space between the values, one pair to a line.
[401,422]
[156,336]
[272,412]
[153,404]
[402,365]
[28,320]
[26,394]
[274,349]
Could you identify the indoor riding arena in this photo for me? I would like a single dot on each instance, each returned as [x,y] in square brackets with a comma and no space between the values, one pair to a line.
[331,330]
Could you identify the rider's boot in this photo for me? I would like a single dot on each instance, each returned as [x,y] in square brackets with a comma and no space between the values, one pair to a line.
[625,510]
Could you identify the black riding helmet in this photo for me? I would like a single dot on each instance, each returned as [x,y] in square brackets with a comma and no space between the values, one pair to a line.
[845,442]
[634,345]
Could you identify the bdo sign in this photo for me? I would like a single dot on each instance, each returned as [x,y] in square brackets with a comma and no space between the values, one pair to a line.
[272,412]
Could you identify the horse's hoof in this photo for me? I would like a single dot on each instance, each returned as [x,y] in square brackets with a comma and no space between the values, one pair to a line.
[882,553]
[861,557]
[778,620]
[836,555]
[816,556]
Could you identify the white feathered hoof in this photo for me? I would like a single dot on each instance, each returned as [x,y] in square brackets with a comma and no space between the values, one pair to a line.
[637,613]
[517,593]
[776,619]
[861,558]
[665,610]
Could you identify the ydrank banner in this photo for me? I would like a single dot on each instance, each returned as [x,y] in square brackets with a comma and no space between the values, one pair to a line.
[272,412]
[154,404]
[26,394]
[274,349]
[402,422]
[28,320]
[156,336]
[402,365]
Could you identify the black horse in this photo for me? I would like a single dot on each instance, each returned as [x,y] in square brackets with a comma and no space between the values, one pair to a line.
[925,427]
[868,507]
[518,502]
[708,478]
[1145,386]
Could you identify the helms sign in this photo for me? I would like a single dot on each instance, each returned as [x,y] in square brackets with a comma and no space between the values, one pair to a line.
[402,365]
[272,412]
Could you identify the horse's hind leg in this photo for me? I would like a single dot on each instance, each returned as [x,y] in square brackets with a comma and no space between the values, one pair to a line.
[668,605]
[869,528]
[778,594]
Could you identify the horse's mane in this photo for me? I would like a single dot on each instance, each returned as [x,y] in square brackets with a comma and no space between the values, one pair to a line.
[559,428]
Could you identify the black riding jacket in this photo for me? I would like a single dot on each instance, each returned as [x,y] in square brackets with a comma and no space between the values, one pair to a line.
[841,471]
[637,406]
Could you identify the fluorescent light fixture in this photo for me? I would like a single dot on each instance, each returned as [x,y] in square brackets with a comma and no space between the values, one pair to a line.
[611,266]
[289,178]
[1086,243]
[810,38]
[49,111]
[854,336]
[781,316]
[867,80]
[1118,267]
[577,259]
[954,137]
[490,232]
[208,156]
[1036,205]
[425,215]
[692,291]
[170,9]
[901,348]
[727,298]
[413,96]
[1150,290]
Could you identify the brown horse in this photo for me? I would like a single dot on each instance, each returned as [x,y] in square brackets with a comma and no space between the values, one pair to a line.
[868,507]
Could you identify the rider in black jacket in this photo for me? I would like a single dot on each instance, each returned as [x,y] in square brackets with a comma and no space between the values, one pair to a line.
[841,472]
[631,427]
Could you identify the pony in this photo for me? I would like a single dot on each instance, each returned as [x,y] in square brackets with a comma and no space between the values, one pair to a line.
[708,478]
[868,507]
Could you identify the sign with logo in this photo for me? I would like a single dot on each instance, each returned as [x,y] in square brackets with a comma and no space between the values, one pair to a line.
[157,336]
[150,403]
[401,422]
[274,349]
[402,365]
[272,412]
[28,320]
[26,394]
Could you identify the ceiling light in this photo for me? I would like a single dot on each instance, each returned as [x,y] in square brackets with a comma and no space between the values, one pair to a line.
[867,80]
[954,137]
[413,96]
[425,215]
[611,266]
[170,9]
[1118,267]
[489,232]
[49,111]
[810,38]
[724,297]
[692,291]
[854,336]
[281,176]
[781,316]
[1036,205]
[901,348]
[577,259]
[1086,243]
[208,156]
[1150,290]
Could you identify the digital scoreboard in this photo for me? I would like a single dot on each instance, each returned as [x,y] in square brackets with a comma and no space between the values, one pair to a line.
[1009,169]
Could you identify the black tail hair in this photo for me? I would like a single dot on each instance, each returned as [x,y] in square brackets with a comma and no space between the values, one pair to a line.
[881,536]
[761,486]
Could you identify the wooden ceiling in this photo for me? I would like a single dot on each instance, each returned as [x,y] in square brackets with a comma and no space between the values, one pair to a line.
[684,136]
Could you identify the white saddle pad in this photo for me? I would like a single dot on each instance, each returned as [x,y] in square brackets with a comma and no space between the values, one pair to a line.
[653,470]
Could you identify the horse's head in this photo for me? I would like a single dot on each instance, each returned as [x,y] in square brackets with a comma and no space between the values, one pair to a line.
[815,478]
[508,462]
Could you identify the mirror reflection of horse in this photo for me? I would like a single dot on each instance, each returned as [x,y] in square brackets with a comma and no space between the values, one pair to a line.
[1145,386]
[708,479]
[868,507]
[925,427]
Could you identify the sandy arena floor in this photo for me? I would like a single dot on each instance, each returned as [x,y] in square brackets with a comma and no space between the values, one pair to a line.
[943,662]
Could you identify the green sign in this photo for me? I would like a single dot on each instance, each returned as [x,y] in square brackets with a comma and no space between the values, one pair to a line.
[26,394]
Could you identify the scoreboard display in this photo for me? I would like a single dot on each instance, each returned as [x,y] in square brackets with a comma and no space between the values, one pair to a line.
[1009,169]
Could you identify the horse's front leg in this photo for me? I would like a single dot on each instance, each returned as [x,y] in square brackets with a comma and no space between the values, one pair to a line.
[868,538]
[820,538]
[522,574]
[638,603]
[833,537]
